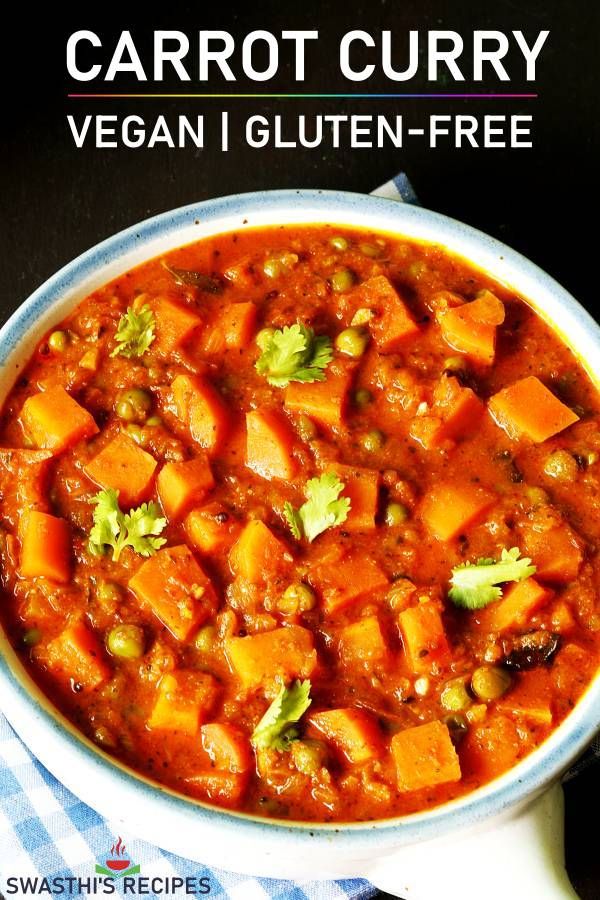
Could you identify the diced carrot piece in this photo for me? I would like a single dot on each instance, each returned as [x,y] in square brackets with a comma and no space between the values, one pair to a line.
[45,547]
[180,484]
[257,553]
[224,788]
[424,757]
[175,323]
[269,445]
[24,476]
[361,486]
[352,731]
[353,578]
[448,509]
[528,409]
[259,659]
[77,655]
[324,401]
[471,328]
[529,698]
[54,421]
[123,466]
[454,413]
[424,638]
[210,528]
[238,321]
[232,329]
[394,324]
[227,746]
[562,619]
[183,702]
[557,553]
[516,607]
[202,409]
[363,642]
[176,589]
[571,671]
[491,748]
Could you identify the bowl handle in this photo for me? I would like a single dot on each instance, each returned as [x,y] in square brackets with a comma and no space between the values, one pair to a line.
[521,856]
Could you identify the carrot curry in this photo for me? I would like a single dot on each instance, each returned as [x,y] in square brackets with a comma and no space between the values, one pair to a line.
[303,522]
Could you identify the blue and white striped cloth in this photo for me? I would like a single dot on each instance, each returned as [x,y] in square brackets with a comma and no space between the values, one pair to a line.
[46,832]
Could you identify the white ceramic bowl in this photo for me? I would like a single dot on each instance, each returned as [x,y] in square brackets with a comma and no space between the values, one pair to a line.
[503,840]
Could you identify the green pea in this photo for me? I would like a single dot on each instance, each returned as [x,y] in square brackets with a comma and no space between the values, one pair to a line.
[455,696]
[154,421]
[277,265]
[272,267]
[395,514]
[125,411]
[108,592]
[308,756]
[352,342]
[297,598]
[561,465]
[133,404]
[490,682]
[362,397]
[307,428]
[339,243]
[58,341]
[126,641]
[205,639]
[373,440]
[32,637]
[371,250]
[263,338]
[341,281]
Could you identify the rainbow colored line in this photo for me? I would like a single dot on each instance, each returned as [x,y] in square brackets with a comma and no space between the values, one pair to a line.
[302,96]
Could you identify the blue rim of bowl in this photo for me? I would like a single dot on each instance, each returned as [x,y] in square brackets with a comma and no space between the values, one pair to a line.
[530,776]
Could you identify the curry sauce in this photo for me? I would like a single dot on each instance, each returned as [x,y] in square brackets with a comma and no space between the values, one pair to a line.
[302,521]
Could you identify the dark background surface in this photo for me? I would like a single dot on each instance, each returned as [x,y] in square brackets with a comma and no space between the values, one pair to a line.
[57,201]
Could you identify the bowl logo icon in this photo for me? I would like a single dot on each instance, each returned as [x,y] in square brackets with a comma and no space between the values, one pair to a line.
[118,862]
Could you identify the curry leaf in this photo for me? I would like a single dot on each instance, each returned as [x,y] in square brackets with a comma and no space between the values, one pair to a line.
[194,279]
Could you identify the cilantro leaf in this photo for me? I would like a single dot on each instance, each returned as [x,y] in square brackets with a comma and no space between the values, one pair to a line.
[293,519]
[275,730]
[107,521]
[138,529]
[323,508]
[474,585]
[135,332]
[295,353]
